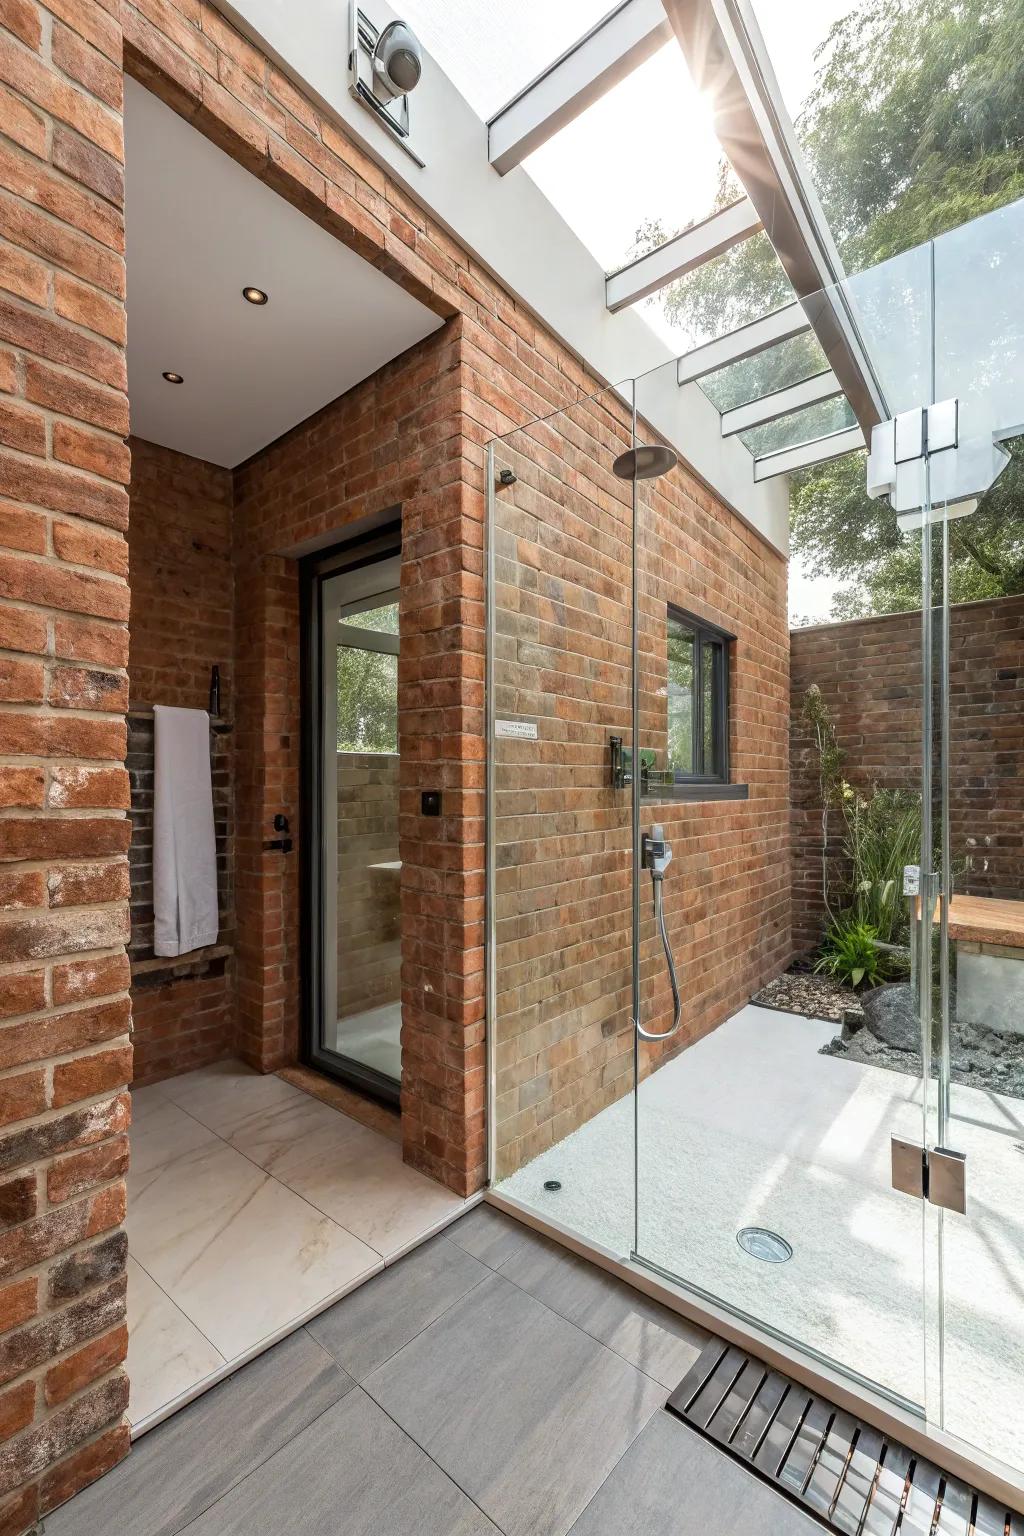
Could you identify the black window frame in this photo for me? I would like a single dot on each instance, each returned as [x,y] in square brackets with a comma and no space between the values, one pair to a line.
[701,784]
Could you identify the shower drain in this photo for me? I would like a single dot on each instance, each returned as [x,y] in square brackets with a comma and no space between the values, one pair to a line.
[762,1244]
[851,1476]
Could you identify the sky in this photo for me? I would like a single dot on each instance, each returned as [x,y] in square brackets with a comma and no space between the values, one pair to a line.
[645,151]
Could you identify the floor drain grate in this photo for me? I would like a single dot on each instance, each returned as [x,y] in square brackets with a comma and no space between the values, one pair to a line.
[765,1245]
[850,1476]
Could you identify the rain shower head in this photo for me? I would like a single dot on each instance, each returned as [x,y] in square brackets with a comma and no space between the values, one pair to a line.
[645,463]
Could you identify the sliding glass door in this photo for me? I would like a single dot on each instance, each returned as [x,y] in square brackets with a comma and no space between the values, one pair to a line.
[356,1007]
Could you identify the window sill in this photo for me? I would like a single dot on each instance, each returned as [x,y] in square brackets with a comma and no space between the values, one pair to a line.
[688,792]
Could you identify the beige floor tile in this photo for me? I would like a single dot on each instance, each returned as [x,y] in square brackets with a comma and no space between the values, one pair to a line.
[240,1254]
[167,1354]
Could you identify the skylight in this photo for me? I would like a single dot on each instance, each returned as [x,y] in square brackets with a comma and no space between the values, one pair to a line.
[491,51]
[638,166]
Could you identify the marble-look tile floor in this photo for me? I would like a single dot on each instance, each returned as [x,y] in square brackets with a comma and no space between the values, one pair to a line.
[489,1384]
[251,1207]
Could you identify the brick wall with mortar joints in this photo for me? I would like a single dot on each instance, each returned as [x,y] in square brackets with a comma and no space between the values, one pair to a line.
[181,625]
[64,1047]
[869,672]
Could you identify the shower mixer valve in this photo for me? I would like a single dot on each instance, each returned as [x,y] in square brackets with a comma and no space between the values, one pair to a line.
[655,852]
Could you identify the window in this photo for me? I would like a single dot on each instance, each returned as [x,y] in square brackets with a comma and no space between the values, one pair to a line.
[698,701]
[368,675]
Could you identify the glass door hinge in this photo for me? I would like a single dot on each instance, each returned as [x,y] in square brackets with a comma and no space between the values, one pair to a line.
[936,1174]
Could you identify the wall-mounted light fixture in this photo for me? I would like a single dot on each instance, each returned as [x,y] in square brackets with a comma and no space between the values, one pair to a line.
[385,65]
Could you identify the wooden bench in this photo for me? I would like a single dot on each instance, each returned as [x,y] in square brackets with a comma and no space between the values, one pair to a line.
[989,935]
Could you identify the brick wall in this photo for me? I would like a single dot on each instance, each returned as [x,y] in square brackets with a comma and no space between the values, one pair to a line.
[563,1035]
[369,923]
[181,625]
[869,672]
[65,1055]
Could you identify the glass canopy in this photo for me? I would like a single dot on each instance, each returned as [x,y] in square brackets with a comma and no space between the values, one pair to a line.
[616,174]
[490,52]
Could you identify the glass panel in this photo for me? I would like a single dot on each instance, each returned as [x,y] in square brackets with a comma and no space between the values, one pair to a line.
[490,52]
[753,1115]
[941,82]
[367,701]
[734,289]
[560,611]
[711,655]
[381,619]
[789,362]
[801,426]
[681,644]
[360,879]
[625,189]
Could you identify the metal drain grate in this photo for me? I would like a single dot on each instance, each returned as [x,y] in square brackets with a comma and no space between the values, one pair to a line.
[849,1475]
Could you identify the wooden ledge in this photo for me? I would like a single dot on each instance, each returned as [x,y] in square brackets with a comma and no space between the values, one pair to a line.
[987,920]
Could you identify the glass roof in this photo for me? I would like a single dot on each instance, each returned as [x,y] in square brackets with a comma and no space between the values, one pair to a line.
[491,51]
[789,362]
[804,426]
[636,167]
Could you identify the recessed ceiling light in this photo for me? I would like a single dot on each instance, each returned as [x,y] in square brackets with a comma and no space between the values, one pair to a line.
[254,295]
[173,378]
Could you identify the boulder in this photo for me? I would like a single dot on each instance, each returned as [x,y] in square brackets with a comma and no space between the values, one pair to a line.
[891,1015]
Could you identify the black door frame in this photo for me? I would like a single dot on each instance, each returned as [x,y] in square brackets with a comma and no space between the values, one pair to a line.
[368,549]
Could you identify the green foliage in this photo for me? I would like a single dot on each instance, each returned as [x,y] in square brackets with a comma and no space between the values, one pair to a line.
[850,953]
[367,701]
[883,835]
[914,126]
[863,896]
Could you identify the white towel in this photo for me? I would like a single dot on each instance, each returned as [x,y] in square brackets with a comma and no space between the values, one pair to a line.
[184,847]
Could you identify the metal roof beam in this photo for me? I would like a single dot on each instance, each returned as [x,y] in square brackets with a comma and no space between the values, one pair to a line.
[682,254]
[730,64]
[781,402]
[745,341]
[786,460]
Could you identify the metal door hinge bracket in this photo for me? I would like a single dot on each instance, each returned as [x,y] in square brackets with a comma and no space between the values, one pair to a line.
[936,1174]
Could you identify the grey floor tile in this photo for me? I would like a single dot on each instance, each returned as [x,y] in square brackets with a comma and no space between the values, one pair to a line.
[489,1235]
[368,1327]
[353,1471]
[523,1410]
[173,1473]
[673,1483]
[657,1341]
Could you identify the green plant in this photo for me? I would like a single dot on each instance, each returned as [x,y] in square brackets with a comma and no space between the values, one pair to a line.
[850,952]
[883,835]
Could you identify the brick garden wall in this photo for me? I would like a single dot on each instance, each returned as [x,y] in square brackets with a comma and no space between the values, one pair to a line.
[869,672]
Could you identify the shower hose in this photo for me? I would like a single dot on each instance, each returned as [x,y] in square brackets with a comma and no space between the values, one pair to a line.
[659,918]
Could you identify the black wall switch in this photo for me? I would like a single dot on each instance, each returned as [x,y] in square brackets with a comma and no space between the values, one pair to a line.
[430,802]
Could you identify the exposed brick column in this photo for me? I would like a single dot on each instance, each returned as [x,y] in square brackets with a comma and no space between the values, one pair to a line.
[65,1055]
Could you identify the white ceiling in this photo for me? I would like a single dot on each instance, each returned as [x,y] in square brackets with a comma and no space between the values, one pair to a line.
[199,228]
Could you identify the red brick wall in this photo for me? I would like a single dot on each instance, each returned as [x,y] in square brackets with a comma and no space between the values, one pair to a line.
[181,625]
[65,1055]
[869,672]
[393,442]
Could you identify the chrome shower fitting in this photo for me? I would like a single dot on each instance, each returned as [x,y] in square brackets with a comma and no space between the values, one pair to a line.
[656,855]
